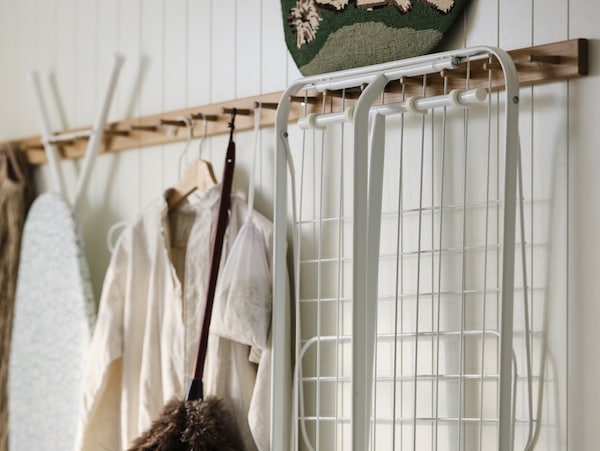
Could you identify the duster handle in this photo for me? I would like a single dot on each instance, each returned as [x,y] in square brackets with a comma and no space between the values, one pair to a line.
[195,390]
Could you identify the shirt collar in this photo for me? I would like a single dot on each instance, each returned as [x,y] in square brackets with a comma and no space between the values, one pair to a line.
[205,200]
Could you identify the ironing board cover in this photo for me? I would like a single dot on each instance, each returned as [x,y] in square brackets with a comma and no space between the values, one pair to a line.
[54,312]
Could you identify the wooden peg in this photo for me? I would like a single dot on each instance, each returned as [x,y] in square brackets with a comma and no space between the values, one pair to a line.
[414,81]
[208,117]
[144,128]
[492,66]
[454,73]
[543,59]
[312,100]
[238,111]
[346,93]
[66,142]
[266,105]
[116,132]
[173,122]
[393,86]
[33,146]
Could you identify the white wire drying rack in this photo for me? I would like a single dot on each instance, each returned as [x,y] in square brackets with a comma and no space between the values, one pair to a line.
[403,264]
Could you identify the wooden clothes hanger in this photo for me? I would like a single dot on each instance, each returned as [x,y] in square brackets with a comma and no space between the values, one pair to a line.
[197,175]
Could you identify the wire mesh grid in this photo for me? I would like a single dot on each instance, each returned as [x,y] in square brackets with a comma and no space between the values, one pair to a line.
[438,322]
[436,356]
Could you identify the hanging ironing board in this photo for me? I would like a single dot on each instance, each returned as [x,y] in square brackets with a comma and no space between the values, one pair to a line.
[54,312]
[54,304]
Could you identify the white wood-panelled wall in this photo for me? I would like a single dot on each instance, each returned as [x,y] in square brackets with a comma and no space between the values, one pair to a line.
[183,53]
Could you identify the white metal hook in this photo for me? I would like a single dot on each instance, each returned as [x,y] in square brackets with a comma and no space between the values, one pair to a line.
[204,134]
[252,181]
[189,125]
[113,234]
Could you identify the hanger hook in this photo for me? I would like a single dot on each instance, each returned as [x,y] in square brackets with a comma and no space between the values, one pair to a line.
[232,123]
[204,134]
[189,124]
[252,181]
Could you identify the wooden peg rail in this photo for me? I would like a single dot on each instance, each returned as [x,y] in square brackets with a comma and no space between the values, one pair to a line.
[540,64]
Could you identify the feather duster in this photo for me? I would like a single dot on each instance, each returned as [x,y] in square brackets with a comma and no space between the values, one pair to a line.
[198,423]
[201,425]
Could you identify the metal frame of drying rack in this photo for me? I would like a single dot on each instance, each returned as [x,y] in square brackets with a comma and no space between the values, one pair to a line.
[367,182]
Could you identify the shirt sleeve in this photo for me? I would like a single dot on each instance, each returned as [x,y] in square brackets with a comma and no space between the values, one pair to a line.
[100,413]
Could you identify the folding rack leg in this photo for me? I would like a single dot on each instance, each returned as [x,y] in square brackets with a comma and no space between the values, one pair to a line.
[51,150]
[97,133]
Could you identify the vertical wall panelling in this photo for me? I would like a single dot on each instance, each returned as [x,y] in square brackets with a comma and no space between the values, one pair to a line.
[224,36]
[293,73]
[584,223]
[96,210]
[199,59]
[61,71]
[482,23]
[275,54]
[548,272]
[223,72]
[85,64]
[175,73]
[59,78]
[184,53]
[5,20]
[124,198]
[106,43]
[151,164]
[20,27]
[201,56]
[248,52]
[519,15]
[273,77]
[45,23]
[248,57]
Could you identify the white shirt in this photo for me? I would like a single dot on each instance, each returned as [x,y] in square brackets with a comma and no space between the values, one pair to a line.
[146,336]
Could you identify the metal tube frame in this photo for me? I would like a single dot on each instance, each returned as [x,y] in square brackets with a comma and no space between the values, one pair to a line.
[95,135]
[365,222]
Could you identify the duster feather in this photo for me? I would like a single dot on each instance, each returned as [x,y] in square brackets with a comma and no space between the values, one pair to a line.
[200,425]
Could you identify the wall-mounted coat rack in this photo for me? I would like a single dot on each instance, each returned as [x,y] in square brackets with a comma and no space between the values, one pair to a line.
[536,65]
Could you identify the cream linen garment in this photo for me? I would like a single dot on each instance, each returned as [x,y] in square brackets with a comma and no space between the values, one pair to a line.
[146,336]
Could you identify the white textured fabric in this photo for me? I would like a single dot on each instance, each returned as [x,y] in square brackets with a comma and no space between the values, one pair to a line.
[54,312]
[242,311]
[146,337]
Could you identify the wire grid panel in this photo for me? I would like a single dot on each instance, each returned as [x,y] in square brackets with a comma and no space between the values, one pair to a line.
[438,308]
[324,227]
[438,322]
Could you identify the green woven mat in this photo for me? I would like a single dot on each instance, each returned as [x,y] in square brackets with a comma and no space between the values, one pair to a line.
[331,35]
